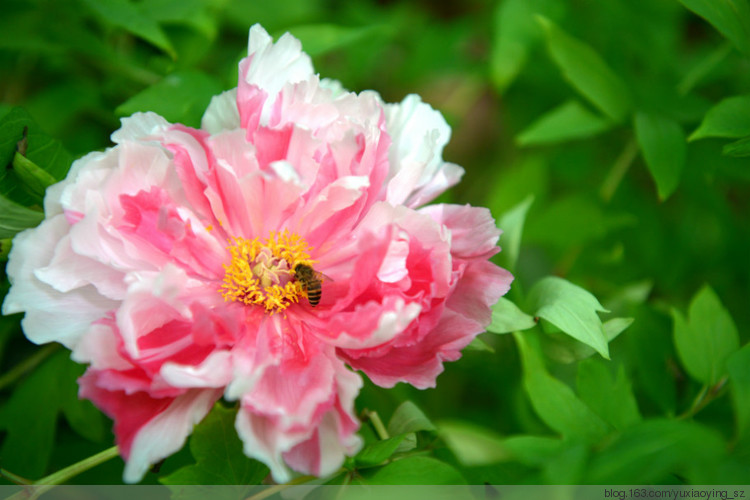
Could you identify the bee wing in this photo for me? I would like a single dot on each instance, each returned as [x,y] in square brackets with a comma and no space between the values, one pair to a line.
[323,277]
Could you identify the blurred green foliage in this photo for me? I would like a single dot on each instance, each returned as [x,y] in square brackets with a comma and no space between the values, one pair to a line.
[609,137]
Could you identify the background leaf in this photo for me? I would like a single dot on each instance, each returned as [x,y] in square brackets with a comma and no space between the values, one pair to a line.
[730,118]
[587,72]
[730,17]
[662,143]
[570,120]
[707,338]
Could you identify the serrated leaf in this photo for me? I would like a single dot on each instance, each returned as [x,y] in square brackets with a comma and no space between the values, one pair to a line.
[180,97]
[473,445]
[15,218]
[662,143]
[730,118]
[738,366]
[409,418]
[132,18]
[587,72]
[553,401]
[737,149]
[218,452]
[569,121]
[515,33]
[707,338]
[415,470]
[649,451]
[512,223]
[730,17]
[508,318]
[612,400]
[571,309]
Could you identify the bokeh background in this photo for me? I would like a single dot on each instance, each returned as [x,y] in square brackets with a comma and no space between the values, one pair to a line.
[642,236]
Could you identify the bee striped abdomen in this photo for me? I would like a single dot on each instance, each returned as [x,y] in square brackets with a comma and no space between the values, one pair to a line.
[310,279]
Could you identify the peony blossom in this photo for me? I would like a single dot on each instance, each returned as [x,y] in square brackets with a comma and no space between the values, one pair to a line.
[170,264]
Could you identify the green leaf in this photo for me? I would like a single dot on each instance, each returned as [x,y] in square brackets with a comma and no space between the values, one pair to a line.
[730,17]
[649,451]
[571,309]
[479,345]
[34,179]
[662,143]
[379,451]
[132,18]
[80,414]
[43,151]
[707,338]
[511,222]
[553,401]
[30,418]
[533,450]
[730,118]
[473,445]
[569,121]
[508,318]
[409,418]
[515,34]
[218,452]
[15,218]
[5,246]
[318,39]
[738,366]
[181,97]
[738,149]
[564,349]
[612,400]
[415,470]
[573,220]
[587,72]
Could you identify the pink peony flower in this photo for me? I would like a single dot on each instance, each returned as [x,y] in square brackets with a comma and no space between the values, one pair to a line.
[185,265]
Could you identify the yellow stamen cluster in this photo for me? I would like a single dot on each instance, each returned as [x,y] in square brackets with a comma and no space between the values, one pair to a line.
[261,271]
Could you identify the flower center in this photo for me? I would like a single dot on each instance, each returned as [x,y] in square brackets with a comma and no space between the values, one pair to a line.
[261,271]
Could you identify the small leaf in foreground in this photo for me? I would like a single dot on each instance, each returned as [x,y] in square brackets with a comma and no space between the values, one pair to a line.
[508,318]
[571,309]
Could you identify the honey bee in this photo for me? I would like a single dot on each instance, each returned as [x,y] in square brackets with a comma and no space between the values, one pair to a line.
[311,280]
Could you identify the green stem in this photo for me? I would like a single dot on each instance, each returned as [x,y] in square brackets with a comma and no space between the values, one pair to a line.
[27,365]
[618,171]
[45,484]
[280,487]
[705,396]
[378,425]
